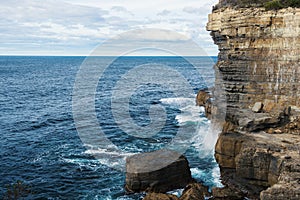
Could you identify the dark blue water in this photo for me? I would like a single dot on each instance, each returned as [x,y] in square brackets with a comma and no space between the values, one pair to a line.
[39,143]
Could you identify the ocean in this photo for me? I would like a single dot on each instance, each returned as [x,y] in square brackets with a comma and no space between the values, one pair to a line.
[40,144]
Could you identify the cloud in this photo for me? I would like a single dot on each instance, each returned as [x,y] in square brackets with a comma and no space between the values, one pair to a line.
[80,25]
[119,8]
[192,10]
[153,35]
[164,13]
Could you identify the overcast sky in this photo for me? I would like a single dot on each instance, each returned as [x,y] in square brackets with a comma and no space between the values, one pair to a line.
[76,27]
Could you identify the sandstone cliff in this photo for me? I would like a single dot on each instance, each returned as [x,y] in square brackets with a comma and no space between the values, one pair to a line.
[258,69]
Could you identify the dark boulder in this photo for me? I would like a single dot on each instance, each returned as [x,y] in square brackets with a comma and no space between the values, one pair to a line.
[158,171]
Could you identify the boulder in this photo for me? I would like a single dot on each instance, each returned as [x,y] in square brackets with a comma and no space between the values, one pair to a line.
[227,193]
[294,111]
[194,191]
[253,122]
[158,171]
[268,105]
[257,107]
[202,98]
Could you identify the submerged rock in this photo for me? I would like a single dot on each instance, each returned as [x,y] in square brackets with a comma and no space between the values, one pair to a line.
[158,171]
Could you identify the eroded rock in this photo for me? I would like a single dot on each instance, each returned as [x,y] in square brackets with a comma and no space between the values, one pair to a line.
[259,62]
[202,97]
[160,196]
[227,193]
[260,160]
[158,171]
[194,191]
[258,106]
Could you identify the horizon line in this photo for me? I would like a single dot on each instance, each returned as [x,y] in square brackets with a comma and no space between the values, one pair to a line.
[3,55]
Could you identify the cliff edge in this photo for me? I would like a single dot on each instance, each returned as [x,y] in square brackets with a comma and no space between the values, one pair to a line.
[258,70]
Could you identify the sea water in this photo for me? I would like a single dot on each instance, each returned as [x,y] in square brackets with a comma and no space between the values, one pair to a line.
[39,143]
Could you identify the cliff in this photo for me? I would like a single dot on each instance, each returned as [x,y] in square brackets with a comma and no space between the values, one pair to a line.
[258,70]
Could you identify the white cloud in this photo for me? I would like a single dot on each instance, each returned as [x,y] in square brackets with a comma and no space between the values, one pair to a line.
[153,35]
[77,26]
[164,13]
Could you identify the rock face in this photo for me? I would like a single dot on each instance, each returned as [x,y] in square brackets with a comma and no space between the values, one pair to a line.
[259,56]
[260,158]
[258,68]
[158,171]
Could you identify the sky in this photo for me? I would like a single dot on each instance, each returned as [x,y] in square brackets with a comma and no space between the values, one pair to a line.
[77,27]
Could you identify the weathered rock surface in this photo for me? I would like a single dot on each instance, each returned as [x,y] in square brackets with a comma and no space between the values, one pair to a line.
[227,193]
[194,191]
[258,68]
[260,160]
[259,57]
[202,98]
[160,196]
[158,171]
[287,188]
[257,107]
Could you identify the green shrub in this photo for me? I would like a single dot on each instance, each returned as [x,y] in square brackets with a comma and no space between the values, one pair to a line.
[273,5]
[293,3]
[268,4]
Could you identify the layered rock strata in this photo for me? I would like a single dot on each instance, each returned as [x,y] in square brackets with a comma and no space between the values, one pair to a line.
[258,70]
[259,56]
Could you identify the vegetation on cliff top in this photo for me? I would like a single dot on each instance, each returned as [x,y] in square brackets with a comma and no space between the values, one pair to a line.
[267,4]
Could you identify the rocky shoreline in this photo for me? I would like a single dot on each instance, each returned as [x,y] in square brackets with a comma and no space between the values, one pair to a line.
[258,150]
[256,90]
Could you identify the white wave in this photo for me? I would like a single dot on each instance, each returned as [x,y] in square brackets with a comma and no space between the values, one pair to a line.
[189,111]
[205,139]
[203,175]
[191,114]
[179,101]
[177,192]
[197,173]
[216,173]
[107,152]
[210,139]
[113,159]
